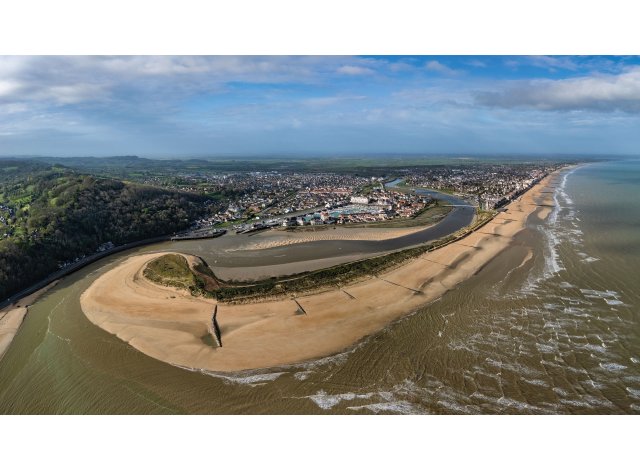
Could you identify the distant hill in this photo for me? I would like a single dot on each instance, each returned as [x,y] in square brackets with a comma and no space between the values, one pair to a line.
[50,214]
[135,168]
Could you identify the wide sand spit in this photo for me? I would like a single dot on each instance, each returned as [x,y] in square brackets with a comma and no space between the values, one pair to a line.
[175,327]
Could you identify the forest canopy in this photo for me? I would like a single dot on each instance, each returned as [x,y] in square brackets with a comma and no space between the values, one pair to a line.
[50,215]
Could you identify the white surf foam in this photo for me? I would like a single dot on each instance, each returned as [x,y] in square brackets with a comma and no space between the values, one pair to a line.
[398,407]
[599,293]
[611,297]
[538,382]
[554,233]
[326,401]
[302,375]
[634,392]
[250,378]
[612,366]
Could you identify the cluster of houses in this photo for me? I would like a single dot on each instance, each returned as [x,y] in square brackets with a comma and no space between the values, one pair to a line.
[363,209]
[270,199]
[272,193]
[489,201]
[492,185]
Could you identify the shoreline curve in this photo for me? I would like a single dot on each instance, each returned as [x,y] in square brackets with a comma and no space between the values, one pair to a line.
[171,325]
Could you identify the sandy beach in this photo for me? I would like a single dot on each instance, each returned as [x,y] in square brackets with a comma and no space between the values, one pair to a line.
[11,317]
[170,325]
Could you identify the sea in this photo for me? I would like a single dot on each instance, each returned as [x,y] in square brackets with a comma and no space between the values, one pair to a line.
[549,326]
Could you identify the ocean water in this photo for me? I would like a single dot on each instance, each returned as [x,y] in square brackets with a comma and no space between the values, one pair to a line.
[551,325]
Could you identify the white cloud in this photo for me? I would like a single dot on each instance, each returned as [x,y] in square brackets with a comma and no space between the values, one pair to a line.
[8,87]
[477,63]
[14,108]
[76,79]
[439,67]
[433,96]
[10,65]
[158,103]
[553,62]
[78,93]
[354,70]
[330,100]
[601,92]
[401,67]
[226,67]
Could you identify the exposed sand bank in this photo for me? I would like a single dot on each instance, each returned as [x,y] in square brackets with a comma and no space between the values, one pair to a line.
[278,238]
[169,325]
[242,273]
[11,317]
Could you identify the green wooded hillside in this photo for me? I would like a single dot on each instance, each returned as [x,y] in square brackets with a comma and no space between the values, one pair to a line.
[50,215]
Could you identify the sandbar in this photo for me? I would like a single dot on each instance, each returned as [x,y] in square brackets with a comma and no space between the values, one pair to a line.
[279,238]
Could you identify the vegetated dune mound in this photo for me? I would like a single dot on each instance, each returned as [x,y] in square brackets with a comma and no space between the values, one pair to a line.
[175,270]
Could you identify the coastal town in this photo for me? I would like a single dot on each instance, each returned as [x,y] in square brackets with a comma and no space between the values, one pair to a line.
[490,186]
[278,199]
[246,201]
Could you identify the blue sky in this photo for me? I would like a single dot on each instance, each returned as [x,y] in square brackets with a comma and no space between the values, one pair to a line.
[230,105]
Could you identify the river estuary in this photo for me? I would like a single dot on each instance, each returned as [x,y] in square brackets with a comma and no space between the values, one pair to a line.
[555,332]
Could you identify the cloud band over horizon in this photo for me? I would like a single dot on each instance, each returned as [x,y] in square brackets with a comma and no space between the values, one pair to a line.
[208,105]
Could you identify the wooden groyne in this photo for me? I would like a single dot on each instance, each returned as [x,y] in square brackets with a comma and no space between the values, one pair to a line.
[215,328]
[300,308]
[350,296]
[399,285]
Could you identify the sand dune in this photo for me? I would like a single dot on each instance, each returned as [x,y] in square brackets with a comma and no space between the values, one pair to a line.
[170,325]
